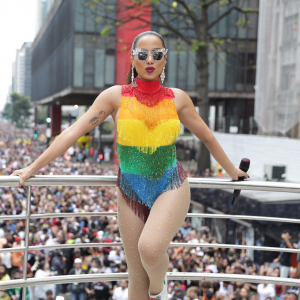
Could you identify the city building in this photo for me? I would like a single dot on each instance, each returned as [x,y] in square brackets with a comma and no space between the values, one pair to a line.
[22,70]
[43,7]
[72,63]
[277,97]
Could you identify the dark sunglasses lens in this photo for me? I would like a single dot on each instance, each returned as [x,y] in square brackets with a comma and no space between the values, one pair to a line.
[142,55]
[157,55]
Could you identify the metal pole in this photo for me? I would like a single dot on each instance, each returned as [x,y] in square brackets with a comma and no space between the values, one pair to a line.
[48,124]
[25,257]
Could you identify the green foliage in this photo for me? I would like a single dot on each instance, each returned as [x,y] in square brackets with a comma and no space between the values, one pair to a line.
[105,31]
[218,42]
[98,19]
[42,112]
[223,2]
[197,44]
[157,2]
[18,109]
[242,22]
[7,110]
[110,8]
[91,4]
[136,2]
[181,48]
[251,10]
[124,48]
[163,32]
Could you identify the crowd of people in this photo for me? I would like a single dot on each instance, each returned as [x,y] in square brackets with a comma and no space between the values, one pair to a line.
[17,151]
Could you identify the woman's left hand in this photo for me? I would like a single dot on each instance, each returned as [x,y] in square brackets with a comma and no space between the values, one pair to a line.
[239,173]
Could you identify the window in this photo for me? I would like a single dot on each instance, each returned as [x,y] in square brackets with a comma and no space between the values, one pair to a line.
[290,29]
[110,67]
[172,68]
[99,67]
[288,74]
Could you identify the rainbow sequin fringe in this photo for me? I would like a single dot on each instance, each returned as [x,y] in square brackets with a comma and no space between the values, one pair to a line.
[140,207]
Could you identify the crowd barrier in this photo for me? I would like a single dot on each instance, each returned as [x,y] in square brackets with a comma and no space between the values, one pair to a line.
[87,180]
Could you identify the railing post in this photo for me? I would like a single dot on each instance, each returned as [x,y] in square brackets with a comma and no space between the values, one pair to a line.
[25,257]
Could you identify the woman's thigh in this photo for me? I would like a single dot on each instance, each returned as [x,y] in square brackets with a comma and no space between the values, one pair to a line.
[166,217]
[127,220]
[130,227]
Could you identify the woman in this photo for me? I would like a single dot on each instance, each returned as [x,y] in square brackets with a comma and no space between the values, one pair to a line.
[43,271]
[153,190]
[5,258]
[4,273]
[4,276]
[242,294]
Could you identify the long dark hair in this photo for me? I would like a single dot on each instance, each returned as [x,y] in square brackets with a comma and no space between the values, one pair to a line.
[5,270]
[128,78]
[41,264]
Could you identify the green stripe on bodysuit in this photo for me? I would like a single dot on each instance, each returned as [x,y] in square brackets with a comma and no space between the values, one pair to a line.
[137,162]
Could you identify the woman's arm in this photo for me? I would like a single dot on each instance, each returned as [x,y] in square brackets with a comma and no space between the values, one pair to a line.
[192,121]
[97,113]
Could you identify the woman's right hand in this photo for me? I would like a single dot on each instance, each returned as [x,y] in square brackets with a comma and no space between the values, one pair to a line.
[24,174]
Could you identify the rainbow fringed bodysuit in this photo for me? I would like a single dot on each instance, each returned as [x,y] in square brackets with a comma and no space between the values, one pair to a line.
[147,126]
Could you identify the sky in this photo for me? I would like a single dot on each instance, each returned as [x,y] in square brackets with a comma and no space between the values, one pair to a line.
[18,20]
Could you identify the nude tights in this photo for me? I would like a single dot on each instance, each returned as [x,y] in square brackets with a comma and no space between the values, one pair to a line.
[146,245]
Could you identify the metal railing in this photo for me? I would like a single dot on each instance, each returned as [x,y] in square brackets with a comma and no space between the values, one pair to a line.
[87,180]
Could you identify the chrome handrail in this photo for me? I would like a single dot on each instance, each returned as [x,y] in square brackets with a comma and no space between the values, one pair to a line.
[115,244]
[103,180]
[114,214]
[170,276]
[93,180]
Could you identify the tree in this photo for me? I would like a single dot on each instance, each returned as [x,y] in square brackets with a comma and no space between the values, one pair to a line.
[193,30]
[18,110]
[42,113]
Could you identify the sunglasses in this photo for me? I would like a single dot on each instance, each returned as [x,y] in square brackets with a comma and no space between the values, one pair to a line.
[156,54]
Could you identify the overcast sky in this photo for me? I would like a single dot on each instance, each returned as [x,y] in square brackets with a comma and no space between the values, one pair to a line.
[17,25]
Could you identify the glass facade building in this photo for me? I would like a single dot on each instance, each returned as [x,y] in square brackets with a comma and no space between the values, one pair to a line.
[72,53]
[232,70]
[72,61]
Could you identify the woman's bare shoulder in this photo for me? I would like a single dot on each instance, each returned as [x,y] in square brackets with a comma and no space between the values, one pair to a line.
[114,91]
[178,93]
[180,98]
[112,94]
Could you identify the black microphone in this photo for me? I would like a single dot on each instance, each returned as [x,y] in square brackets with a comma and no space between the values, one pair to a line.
[244,166]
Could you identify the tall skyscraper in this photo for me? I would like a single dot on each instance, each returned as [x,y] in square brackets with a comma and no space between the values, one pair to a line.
[22,70]
[44,7]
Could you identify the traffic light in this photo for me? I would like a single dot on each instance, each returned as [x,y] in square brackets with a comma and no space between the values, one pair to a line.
[35,133]
[100,156]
